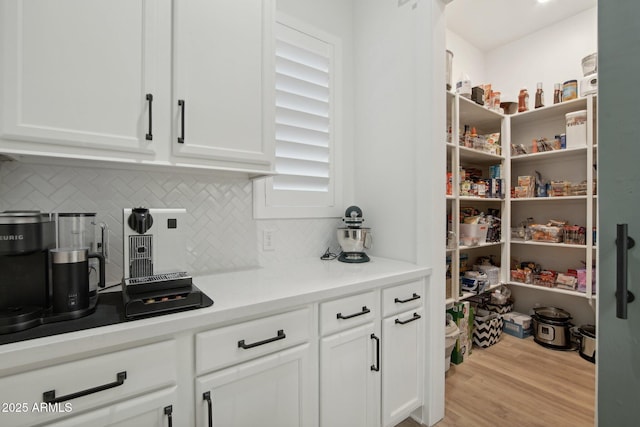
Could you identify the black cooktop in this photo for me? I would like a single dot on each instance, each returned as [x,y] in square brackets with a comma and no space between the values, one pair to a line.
[109,311]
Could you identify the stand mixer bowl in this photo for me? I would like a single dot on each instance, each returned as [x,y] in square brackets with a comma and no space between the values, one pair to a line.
[354,239]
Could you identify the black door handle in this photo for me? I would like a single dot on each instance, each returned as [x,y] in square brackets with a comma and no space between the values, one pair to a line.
[149,136]
[365,310]
[279,336]
[207,396]
[416,316]
[376,367]
[402,301]
[181,137]
[50,396]
[168,411]
[623,296]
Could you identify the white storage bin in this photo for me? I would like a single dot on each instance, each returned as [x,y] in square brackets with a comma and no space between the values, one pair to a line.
[473,234]
[576,129]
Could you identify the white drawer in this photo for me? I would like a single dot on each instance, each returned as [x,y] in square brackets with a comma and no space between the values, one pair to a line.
[234,344]
[147,368]
[344,313]
[402,298]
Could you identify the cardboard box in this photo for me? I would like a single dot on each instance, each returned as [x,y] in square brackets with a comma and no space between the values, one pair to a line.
[463,316]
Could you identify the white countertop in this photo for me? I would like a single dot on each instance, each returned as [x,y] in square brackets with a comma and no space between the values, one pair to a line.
[236,295]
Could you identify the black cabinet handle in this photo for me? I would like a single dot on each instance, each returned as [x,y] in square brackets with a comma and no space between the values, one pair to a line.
[280,336]
[149,135]
[168,411]
[207,396]
[181,137]
[365,310]
[50,396]
[623,296]
[402,301]
[416,316]
[376,367]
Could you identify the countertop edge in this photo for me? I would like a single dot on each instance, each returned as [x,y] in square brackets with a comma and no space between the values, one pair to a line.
[33,353]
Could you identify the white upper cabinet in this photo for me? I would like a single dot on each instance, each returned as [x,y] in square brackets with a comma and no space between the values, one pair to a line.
[97,79]
[76,74]
[222,76]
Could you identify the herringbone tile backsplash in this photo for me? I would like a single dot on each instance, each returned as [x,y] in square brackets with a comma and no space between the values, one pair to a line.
[222,234]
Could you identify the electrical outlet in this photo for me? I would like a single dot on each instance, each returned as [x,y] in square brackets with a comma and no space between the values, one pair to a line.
[267,241]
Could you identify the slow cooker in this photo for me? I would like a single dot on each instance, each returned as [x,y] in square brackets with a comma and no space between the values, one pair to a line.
[552,327]
[587,335]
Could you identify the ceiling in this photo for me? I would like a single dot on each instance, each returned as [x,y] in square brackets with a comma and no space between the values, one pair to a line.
[488,24]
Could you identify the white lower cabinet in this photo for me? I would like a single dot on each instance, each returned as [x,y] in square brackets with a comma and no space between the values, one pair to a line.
[261,372]
[355,361]
[102,389]
[150,410]
[350,378]
[403,367]
[368,376]
[271,391]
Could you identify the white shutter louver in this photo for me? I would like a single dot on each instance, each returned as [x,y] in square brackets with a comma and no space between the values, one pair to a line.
[303,122]
[306,73]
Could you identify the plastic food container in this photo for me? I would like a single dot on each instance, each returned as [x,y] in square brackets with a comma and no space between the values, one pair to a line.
[473,234]
[546,233]
[576,129]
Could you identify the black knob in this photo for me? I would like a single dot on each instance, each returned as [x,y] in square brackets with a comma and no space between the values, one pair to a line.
[140,220]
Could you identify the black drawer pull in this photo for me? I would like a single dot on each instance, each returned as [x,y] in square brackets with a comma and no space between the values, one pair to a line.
[168,411]
[376,367]
[402,301]
[207,396]
[365,310]
[149,136]
[181,137]
[280,336]
[50,396]
[416,316]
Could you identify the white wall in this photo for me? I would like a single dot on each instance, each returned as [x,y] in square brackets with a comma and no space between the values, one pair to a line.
[466,59]
[400,133]
[551,55]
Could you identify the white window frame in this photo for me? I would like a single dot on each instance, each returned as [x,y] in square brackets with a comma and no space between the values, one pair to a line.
[270,203]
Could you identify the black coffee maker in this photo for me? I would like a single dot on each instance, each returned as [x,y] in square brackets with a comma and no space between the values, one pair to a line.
[25,240]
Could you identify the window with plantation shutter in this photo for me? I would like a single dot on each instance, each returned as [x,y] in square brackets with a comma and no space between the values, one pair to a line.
[306,85]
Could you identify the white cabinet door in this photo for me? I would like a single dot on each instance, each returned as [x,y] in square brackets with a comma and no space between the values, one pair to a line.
[76,74]
[403,361]
[272,391]
[221,52]
[350,378]
[150,410]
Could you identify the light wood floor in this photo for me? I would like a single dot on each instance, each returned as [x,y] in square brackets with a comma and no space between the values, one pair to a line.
[518,383]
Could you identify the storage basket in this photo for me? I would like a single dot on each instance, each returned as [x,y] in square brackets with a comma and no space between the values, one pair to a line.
[487,330]
[499,308]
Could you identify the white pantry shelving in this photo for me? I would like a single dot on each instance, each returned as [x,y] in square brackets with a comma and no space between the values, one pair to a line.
[575,164]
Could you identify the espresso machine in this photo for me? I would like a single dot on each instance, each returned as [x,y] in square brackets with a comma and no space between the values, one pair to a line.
[353,238]
[25,295]
[155,277]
